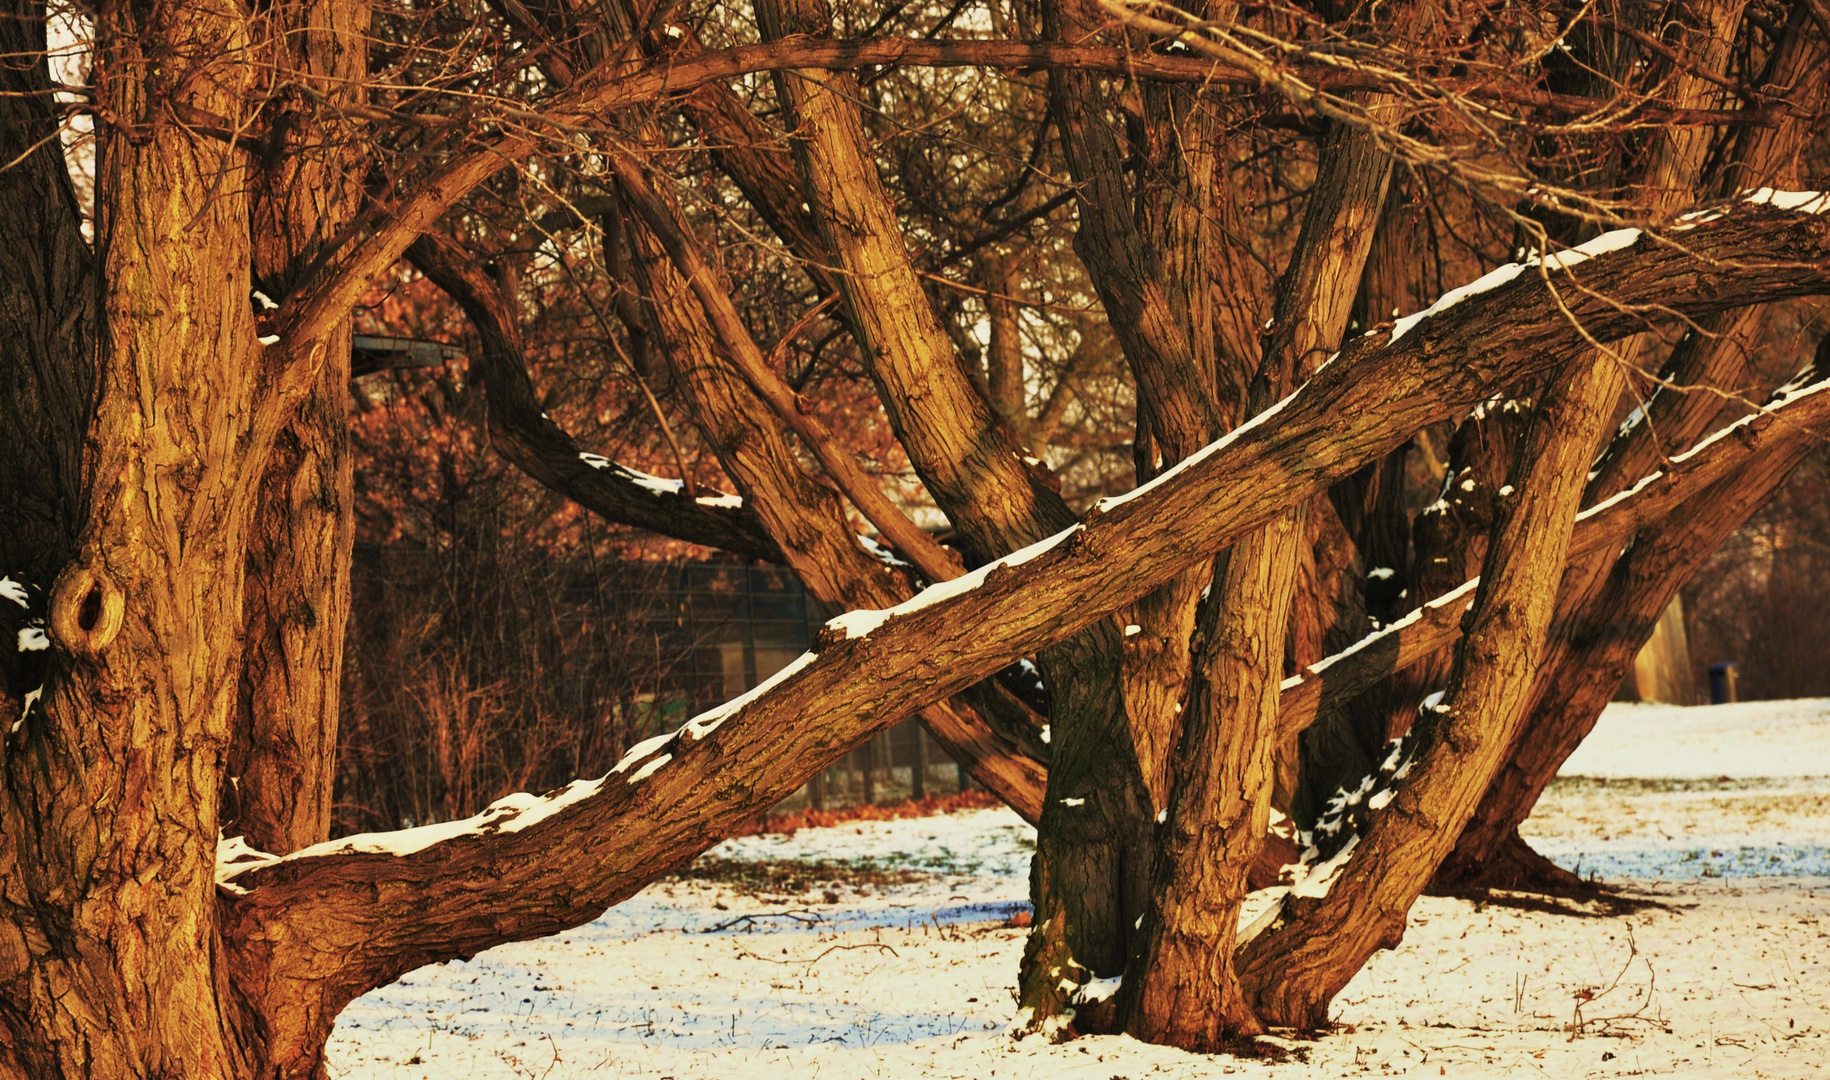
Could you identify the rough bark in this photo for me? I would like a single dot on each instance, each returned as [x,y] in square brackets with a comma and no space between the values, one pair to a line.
[1144,241]
[1180,987]
[111,954]
[112,962]
[1299,959]
[281,762]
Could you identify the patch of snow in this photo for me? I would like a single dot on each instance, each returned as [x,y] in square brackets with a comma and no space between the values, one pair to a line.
[268,339]
[12,590]
[1751,739]
[707,722]
[1073,802]
[1563,260]
[1097,990]
[1787,395]
[1381,573]
[643,749]
[1804,202]
[1112,502]
[862,622]
[1315,880]
[650,769]
[33,639]
[1133,629]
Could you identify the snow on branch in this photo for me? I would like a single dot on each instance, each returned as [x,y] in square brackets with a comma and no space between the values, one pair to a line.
[531,865]
[1795,410]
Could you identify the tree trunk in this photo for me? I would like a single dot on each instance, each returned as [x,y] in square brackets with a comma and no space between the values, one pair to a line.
[282,761]
[112,963]
[1180,985]
[1324,931]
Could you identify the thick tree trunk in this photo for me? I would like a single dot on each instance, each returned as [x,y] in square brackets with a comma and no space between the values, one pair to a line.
[1180,985]
[113,955]
[282,761]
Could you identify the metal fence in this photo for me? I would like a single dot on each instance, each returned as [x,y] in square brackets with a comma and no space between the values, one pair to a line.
[736,625]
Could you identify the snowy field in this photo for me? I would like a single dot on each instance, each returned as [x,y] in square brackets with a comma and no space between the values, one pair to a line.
[884,949]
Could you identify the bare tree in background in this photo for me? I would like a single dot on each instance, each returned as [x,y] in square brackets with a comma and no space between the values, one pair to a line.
[1244,193]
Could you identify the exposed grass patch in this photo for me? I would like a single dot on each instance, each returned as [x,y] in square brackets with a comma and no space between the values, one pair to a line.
[793,877]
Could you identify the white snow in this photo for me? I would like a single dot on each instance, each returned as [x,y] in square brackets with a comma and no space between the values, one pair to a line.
[707,722]
[1767,739]
[1097,989]
[1562,260]
[650,769]
[1111,502]
[660,485]
[33,639]
[12,590]
[1463,593]
[690,979]
[860,623]
[1805,202]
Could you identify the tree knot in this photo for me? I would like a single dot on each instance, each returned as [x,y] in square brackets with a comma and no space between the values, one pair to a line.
[86,609]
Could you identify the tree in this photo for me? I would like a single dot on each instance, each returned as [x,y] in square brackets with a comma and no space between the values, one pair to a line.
[177,527]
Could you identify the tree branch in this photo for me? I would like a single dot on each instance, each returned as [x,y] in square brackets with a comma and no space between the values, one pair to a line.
[542,449]
[362,910]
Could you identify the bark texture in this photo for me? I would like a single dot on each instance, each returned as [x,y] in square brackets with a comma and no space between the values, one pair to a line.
[1181,986]
[112,962]
[281,762]
[1313,944]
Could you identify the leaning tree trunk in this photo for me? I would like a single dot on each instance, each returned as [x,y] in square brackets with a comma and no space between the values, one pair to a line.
[1294,965]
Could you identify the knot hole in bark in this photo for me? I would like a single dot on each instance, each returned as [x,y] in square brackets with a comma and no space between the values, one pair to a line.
[86,610]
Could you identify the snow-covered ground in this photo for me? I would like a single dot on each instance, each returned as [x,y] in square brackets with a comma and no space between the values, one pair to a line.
[1721,813]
